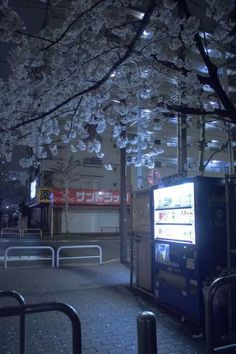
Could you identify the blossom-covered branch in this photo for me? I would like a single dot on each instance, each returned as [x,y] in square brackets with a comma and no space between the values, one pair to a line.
[114,66]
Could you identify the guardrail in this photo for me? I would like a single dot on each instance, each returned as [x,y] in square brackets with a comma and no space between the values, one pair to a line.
[78,257]
[230,348]
[32,232]
[11,231]
[28,258]
[23,257]
[21,301]
[68,310]
[113,228]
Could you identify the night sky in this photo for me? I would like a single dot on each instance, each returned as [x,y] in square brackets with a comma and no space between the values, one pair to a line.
[33,14]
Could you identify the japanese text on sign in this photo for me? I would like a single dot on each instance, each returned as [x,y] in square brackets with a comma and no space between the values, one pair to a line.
[82,196]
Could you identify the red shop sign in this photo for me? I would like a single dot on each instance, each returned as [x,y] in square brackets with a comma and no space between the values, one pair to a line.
[88,196]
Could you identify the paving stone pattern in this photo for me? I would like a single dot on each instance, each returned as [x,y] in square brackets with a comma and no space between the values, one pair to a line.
[107,310]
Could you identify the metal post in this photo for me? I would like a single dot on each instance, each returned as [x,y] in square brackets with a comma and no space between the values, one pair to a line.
[182,145]
[139,146]
[225,83]
[132,234]
[230,151]
[228,182]
[228,221]
[51,207]
[51,221]
[123,208]
[146,326]
[201,167]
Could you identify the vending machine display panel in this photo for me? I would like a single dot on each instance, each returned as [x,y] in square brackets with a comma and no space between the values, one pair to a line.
[174,216]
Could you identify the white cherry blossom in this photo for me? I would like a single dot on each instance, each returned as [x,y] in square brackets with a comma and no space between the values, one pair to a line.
[103,70]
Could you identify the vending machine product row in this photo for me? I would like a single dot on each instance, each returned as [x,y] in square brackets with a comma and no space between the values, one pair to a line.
[189,243]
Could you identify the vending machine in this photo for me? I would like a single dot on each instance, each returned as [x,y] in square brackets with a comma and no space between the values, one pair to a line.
[189,242]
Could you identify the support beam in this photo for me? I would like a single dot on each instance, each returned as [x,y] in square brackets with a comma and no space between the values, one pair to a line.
[182,145]
[123,208]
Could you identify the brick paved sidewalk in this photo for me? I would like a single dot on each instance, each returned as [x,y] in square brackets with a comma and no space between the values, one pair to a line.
[108,310]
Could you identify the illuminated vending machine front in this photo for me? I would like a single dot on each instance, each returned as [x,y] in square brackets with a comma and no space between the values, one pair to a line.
[189,242]
[175,239]
[174,216]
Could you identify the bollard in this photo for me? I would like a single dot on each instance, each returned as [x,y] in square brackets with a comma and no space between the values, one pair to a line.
[146,326]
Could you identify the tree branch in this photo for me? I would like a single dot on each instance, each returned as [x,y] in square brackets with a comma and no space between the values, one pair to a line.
[34,36]
[197,111]
[224,146]
[143,23]
[72,24]
[205,80]
[72,118]
[212,71]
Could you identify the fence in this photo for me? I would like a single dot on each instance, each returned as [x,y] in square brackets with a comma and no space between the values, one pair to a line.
[68,310]
[17,232]
[21,301]
[229,348]
[28,258]
[78,257]
[31,232]
[20,257]
[110,229]
[7,231]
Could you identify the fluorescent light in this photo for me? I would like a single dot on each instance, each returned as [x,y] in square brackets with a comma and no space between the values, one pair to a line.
[147,34]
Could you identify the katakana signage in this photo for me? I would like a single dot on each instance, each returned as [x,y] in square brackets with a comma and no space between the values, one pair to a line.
[81,196]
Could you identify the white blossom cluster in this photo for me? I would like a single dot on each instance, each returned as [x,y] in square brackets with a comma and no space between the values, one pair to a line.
[104,67]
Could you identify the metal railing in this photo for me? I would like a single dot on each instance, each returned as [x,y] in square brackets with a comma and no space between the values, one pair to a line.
[10,231]
[32,232]
[68,310]
[28,258]
[21,301]
[52,257]
[230,348]
[78,257]
[110,228]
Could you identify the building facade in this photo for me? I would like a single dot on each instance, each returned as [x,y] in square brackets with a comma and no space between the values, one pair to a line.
[75,193]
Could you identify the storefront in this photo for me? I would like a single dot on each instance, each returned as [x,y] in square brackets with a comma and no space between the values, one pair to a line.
[83,210]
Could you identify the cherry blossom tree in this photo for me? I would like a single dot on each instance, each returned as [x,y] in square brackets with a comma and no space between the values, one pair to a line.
[124,64]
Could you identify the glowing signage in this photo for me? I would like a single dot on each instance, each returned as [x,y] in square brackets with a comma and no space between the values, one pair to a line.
[174,216]
[81,196]
[33,186]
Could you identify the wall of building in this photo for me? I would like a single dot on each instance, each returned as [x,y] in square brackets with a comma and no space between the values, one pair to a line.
[91,174]
[91,220]
[216,137]
[88,171]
